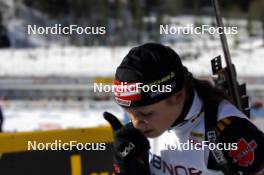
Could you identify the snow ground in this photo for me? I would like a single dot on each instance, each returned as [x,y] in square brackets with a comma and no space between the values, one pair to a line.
[19,116]
[45,115]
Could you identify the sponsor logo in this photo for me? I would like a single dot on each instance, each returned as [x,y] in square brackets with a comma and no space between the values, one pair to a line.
[244,155]
[197,134]
[123,102]
[217,152]
[127,149]
[161,166]
[127,91]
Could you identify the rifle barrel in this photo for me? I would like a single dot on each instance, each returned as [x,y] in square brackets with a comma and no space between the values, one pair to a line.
[232,76]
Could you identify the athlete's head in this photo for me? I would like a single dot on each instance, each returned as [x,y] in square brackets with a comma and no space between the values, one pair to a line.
[150,87]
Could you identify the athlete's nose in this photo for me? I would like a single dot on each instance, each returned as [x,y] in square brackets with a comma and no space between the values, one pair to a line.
[140,123]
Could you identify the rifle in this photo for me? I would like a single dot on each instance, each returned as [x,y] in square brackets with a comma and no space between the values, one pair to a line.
[226,78]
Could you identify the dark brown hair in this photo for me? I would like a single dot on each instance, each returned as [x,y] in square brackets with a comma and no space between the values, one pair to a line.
[205,89]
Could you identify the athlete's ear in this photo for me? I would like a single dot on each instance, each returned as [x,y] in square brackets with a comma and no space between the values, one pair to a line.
[180,96]
[175,98]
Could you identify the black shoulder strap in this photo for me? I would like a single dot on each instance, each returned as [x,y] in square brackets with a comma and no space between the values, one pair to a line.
[211,109]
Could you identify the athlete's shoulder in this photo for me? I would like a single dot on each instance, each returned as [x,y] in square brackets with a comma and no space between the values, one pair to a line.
[226,109]
[249,155]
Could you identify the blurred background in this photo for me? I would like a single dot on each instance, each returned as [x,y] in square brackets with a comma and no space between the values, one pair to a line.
[46,81]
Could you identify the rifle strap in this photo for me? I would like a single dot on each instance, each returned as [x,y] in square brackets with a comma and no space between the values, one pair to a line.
[211,109]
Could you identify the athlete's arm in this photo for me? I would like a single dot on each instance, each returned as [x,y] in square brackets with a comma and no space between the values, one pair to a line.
[249,155]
